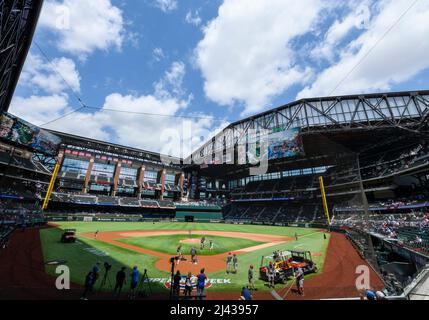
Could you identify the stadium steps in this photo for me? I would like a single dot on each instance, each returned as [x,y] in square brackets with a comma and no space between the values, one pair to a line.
[276,215]
[41,167]
[260,213]
[245,212]
[315,213]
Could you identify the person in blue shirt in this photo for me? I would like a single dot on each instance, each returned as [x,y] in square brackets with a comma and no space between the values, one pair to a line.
[370,295]
[89,285]
[135,275]
[246,294]
[96,272]
[201,283]
[96,268]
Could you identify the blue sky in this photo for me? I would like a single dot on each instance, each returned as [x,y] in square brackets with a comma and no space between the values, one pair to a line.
[214,60]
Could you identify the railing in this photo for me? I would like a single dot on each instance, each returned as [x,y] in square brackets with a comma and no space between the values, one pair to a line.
[422,276]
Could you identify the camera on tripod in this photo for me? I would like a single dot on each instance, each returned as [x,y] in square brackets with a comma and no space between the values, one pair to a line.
[106,280]
[107,266]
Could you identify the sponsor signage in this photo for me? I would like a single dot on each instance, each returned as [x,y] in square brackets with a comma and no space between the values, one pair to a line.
[209,282]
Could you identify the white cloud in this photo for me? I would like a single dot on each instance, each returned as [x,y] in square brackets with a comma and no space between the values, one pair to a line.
[166,5]
[246,54]
[134,128]
[357,19]
[52,77]
[146,131]
[399,56]
[127,119]
[158,54]
[84,26]
[193,18]
[39,109]
[171,85]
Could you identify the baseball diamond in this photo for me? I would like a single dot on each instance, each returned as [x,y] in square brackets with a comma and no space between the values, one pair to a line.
[214,150]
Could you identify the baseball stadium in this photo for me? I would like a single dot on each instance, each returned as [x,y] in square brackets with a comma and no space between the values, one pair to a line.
[331,189]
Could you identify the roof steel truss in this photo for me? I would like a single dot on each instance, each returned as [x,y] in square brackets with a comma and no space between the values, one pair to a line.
[18,20]
[404,110]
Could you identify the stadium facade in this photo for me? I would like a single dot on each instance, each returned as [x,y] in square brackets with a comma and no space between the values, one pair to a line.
[273,159]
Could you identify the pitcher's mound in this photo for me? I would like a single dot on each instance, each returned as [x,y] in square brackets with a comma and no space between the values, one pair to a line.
[190,241]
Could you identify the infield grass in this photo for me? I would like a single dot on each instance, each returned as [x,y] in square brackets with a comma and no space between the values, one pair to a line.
[169,243]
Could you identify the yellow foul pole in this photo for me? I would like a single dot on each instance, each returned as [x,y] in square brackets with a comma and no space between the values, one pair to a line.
[325,203]
[52,182]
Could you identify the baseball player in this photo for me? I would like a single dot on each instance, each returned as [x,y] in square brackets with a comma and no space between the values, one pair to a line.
[235,263]
[193,253]
[228,263]
[179,254]
[203,240]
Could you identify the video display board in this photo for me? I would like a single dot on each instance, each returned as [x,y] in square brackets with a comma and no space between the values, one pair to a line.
[25,134]
[284,144]
[278,143]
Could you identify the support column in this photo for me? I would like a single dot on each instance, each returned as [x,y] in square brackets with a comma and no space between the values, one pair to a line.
[53,179]
[179,181]
[140,180]
[325,203]
[60,159]
[116,174]
[88,175]
[161,180]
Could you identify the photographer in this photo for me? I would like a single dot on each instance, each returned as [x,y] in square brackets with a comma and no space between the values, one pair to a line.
[176,284]
[135,276]
[89,285]
[188,285]
[96,272]
[120,281]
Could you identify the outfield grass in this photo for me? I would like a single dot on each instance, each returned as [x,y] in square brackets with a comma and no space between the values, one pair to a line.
[169,243]
[87,227]
[80,259]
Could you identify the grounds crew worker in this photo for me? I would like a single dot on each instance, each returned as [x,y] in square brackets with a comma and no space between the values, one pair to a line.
[271,274]
[250,278]
[299,275]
